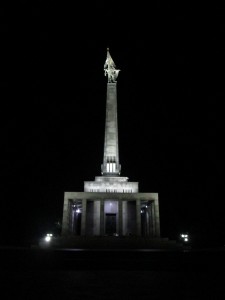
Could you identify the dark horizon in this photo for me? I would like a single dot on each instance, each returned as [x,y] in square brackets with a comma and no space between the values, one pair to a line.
[53,93]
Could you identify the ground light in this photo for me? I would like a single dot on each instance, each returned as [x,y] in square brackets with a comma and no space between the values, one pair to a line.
[184,237]
[46,241]
[48,237]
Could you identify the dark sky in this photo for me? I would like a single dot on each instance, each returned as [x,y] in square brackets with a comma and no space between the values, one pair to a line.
[170,110]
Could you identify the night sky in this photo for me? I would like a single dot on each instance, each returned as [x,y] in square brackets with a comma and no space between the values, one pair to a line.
[170,111]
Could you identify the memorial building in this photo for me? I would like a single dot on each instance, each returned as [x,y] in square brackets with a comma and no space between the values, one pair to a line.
[111,205]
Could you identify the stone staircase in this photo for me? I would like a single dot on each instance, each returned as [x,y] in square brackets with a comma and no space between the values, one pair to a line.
[111,242]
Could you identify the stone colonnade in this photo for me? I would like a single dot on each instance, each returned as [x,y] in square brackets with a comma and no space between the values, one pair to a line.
[137,213]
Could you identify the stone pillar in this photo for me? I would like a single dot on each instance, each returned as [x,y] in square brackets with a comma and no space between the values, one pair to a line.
[120,229]
[151,231]
[73,223]
[157,222]
[153,219]
[66,215]
[147,221]
[83,217]
[102,212]
[96,229]
[124,204]
[76,223]
[138,217]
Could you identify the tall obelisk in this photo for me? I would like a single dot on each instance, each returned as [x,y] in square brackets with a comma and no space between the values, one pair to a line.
[111,205]
[111,166]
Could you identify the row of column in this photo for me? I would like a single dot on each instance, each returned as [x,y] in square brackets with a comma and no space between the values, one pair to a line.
[154,216]
[120,217]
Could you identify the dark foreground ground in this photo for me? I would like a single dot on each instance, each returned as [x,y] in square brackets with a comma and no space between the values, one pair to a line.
[32,273]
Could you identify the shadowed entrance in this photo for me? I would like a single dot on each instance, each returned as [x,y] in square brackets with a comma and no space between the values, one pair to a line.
[110,224]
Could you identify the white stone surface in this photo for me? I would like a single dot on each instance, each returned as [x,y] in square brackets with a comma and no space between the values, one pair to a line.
[106,184]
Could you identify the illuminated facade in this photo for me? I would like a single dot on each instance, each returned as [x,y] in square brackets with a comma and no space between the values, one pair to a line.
[111,205]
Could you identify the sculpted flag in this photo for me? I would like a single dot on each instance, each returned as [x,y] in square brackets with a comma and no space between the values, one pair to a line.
[110,68]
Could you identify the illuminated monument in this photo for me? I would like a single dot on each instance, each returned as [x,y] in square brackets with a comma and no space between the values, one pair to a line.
[111,205]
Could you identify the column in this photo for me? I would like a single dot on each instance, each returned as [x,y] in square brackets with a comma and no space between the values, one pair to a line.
[157,222]
[102,212]
[124,203]
[83,217]
[120,231]
[96,229]
[151,230]
[138,217]
[147,221]
[66,212]
[153,219]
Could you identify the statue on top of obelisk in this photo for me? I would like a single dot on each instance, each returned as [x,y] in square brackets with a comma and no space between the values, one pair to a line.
[110,68]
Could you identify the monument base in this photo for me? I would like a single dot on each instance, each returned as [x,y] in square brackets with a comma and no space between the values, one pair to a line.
[111,242]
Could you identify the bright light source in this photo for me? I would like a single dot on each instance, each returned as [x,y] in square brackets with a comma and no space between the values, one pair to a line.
[78,211]
[185,237]
[146,206]
[48,238]
[141,211]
